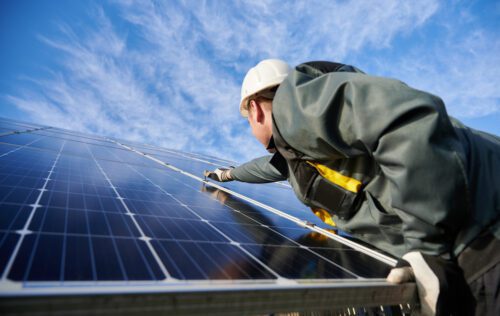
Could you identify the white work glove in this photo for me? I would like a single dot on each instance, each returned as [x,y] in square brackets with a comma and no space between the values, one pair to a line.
[219,174]
[441,286]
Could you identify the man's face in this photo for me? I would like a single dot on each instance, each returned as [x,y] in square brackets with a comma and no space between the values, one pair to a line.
[257,130]
[259,118]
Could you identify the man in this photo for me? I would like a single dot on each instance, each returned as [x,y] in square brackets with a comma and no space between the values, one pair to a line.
[385,163]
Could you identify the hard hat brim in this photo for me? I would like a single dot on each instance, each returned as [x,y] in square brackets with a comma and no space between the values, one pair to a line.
[266,74]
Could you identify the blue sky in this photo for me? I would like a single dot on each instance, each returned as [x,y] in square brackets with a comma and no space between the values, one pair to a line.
[168,72]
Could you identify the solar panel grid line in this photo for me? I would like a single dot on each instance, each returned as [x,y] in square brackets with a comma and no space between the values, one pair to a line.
[143,237]
[74,134]
[197,159]
[225,161]
[25,230]
[54,133]
[20,147]
[90,249]
[55,129]
[115,240]
[192,156]
[65,240]
[278,276]
[386,259]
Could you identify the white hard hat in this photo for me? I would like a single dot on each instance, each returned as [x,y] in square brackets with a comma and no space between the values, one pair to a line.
[266,74]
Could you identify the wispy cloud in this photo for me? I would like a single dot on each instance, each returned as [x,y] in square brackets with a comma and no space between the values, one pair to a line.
[168,73]
[460,62]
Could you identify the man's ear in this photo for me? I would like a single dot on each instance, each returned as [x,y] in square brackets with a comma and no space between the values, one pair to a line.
[258,111]
[255,108]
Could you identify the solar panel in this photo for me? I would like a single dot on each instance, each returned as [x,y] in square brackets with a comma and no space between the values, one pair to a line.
[81,214]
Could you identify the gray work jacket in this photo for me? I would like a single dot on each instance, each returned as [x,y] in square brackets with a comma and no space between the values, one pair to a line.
[430,183]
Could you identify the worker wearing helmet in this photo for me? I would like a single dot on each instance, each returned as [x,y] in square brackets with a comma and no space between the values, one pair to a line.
[385,163]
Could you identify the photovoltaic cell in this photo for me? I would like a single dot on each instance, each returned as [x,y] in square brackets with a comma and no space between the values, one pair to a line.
[212,261]
[77,208]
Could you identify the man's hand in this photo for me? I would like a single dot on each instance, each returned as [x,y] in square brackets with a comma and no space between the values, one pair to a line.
[219,174]
[442,288]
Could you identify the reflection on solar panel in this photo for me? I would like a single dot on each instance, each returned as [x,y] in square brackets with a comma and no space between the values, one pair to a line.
[91,224]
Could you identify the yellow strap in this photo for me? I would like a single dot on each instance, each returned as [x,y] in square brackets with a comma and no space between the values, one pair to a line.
[324,216]
[319,237]
[339,179]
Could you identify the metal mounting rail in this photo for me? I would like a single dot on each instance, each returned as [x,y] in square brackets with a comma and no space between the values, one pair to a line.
[24,131]
[335,298]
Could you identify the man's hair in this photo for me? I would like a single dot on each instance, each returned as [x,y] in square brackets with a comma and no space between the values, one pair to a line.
[267,94]
[264,95]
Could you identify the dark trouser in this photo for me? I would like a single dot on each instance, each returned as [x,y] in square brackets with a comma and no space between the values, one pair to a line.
[486,291]
[480,262]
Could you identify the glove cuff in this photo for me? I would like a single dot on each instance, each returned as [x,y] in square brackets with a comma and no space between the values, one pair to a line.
[441,285]
[226,175]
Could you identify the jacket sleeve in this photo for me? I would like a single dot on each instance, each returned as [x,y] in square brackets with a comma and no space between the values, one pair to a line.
[406,132]
[258,170]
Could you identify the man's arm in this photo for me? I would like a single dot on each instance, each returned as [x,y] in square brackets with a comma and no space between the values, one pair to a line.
[258,170]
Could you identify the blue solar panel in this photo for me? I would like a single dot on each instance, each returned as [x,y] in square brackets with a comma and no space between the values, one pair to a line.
[80,208]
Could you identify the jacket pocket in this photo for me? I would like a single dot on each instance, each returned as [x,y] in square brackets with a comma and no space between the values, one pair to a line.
[329,196]
[380,215]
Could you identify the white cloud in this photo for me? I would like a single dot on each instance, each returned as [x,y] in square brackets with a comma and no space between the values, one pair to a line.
[171,77]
